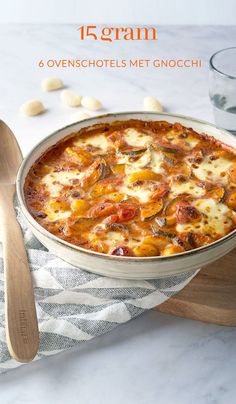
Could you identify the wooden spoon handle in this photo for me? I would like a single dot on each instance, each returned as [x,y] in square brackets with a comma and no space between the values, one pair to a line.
[20,314]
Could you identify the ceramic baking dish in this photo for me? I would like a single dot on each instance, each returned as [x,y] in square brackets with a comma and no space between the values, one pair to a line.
[115,266]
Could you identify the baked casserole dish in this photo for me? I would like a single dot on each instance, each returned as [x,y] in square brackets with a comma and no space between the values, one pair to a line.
[133,187]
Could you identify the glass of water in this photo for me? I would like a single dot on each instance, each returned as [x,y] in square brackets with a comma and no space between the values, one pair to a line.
[223,88]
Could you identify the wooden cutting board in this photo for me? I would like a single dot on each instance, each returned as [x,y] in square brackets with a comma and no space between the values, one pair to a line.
[210,296]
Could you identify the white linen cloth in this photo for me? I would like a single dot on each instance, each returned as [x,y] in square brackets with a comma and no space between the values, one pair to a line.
[74,306]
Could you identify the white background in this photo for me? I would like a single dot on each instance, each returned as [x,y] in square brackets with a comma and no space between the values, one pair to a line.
[123,11]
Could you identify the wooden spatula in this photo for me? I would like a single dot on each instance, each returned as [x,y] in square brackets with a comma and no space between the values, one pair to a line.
[20,315]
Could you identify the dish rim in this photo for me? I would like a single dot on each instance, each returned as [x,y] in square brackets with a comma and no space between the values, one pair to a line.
[46,233]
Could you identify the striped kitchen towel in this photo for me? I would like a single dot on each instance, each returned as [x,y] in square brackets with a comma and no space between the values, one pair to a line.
[74,306]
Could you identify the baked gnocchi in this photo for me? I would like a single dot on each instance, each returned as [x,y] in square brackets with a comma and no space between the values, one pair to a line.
[135,188]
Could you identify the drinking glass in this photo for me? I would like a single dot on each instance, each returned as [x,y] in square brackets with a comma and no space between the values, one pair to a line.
[223,88]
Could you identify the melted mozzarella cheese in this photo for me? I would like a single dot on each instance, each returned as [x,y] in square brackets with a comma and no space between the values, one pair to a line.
[135,138]
[114,236]
[54,181]
[53,215]
[215,171]
[157,160]
[215,220]
[142,193]
[192,141]
[150,158]
[132,166]
[109,236]
[98,140]
[176,140]
[190,187]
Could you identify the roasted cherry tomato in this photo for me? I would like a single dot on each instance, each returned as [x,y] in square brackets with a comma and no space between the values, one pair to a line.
[186,212]
[126,212]
[122,251]
[102,209]
[122,213]
[160,192]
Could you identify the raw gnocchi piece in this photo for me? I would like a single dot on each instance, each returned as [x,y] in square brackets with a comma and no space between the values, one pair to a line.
[51,84]
[91,103]
[32,108]
[71,98]
[152,104]
[79,116]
